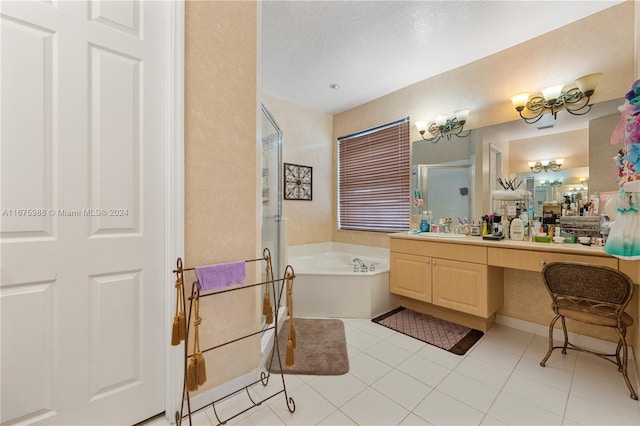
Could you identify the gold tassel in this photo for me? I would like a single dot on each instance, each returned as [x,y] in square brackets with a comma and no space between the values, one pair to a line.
[175,332]
[182,324]
[201,369]
[197,369]
[289,280]
[267,309]
[178,332]
[192,375]
[288,359]
[292,333]
[266,302]
[291,343]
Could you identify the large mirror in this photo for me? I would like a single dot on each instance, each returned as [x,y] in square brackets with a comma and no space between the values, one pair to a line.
[508,148]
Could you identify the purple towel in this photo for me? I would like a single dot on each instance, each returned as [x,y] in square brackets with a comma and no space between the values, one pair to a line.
[221,275]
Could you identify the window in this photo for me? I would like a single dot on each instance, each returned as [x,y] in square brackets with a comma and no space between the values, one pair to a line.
[374,179]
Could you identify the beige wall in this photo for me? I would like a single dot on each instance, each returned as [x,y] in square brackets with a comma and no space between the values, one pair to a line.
[469,85]
[306,140]
[221,169]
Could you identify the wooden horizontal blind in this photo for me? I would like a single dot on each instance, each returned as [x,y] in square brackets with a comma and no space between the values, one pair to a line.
[374,179]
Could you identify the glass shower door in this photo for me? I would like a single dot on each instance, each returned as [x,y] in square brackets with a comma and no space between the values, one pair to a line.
[272,192]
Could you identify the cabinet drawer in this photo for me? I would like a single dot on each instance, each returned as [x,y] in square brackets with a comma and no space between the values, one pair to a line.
[534,260]
[452,251]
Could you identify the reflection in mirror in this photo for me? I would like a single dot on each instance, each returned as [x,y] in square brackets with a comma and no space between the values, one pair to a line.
[568,186]
[445,191]
[440,172]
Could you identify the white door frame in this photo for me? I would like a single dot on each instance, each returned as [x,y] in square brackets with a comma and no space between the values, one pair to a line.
[174,197]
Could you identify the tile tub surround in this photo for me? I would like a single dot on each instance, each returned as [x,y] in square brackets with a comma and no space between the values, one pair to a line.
[326,286]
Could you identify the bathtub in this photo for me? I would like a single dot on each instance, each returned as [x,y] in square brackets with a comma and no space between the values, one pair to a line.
[325,284]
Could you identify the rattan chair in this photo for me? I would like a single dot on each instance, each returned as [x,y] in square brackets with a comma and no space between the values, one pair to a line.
[591,294]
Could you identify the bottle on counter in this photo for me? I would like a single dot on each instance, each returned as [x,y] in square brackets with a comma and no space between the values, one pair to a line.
[517,229]
[524,217]
[424,223]
[506,225]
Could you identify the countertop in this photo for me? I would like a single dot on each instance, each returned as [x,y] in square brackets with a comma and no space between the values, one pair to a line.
[576,248]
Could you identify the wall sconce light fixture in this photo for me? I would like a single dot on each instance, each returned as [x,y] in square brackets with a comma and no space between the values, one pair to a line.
[575,101]
[546,165]
[445,126]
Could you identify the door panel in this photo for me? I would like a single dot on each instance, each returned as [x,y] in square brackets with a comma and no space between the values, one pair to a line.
[82,231]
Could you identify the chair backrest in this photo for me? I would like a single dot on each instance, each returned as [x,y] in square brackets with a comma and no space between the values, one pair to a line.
[594,283]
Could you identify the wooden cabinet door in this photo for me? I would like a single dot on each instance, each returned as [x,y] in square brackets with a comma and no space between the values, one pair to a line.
[410,276]
[460,285]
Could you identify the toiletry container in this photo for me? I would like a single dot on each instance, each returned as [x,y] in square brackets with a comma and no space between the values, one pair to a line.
[506,227]
[476,229]
[424,223]
[517,229]
[524,217]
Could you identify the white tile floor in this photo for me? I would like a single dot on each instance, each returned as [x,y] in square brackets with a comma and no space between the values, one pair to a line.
[396,380]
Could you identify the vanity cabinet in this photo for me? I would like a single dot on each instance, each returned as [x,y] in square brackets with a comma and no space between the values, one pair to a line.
[451,276]
[467,280]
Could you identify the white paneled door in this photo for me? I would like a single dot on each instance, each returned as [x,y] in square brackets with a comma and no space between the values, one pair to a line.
[82,226]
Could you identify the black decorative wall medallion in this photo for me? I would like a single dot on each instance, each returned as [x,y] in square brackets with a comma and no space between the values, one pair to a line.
[297,182]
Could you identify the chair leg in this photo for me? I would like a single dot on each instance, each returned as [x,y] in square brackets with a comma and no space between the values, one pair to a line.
[622,334]
[619,348]
[566,336]
[546,357]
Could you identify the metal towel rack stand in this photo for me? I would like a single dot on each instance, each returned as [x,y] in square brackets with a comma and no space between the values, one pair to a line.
[275,351]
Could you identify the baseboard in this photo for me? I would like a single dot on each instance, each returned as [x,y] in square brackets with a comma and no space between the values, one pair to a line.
[587,342]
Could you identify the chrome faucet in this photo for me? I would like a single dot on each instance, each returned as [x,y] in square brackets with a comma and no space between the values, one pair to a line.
[359,265]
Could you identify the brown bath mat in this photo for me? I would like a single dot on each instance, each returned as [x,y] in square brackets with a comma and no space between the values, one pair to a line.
[446,335]
[321,348]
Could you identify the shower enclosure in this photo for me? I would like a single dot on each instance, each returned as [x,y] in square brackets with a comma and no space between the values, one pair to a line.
[272,223]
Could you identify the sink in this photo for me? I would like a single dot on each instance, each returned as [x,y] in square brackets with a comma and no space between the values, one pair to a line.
[440,235]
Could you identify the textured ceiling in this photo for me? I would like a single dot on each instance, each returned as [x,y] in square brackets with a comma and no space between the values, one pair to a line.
[372,48]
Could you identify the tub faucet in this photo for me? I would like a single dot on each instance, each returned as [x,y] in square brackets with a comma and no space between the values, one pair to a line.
[360,264]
